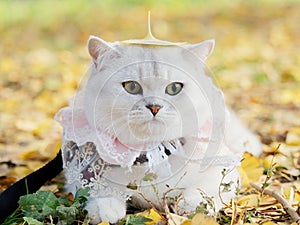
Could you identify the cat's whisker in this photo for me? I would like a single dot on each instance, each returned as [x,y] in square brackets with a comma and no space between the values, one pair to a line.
[153,106]
[137,115]
[120,109]
[136,112]
[171,115]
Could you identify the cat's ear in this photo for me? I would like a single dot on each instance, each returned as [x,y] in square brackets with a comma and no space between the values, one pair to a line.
[98,47]
[202,49]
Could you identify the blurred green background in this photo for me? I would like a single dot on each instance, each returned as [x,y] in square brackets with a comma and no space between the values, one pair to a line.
[43,57]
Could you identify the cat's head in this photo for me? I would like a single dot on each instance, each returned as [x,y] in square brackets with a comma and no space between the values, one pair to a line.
[147,94]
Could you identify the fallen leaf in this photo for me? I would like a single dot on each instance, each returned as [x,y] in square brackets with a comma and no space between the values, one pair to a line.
[255,201]
[6,182]
[136,220]
[186,222]
[249,201]
[251,169]
[201,219]
[293,136]
[52,188]
[174,219]
[34,155]
[268,223]
[151,214]
[20,171]
[103,223]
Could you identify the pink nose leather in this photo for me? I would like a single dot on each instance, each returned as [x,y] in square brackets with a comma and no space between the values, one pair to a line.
[154,108]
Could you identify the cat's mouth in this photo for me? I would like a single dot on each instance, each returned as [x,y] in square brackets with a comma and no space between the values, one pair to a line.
[156,120]
[152,129]
[148,121]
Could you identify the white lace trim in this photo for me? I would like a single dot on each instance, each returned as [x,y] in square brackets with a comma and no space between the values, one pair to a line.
[96,152]
[78,129]
[84,168]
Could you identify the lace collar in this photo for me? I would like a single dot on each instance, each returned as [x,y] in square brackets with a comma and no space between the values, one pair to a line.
[110,149]
[77,129]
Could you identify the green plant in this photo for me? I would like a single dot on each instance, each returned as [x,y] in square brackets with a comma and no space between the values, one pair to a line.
[44,207]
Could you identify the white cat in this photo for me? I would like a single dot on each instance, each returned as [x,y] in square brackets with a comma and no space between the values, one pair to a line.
[150,125]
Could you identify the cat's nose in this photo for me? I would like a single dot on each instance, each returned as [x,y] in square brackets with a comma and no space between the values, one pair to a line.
[153,108]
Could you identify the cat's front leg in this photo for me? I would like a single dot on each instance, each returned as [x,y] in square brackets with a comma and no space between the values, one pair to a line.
[107,209]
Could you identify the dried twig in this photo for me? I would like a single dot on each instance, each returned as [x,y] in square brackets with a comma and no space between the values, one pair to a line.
[147,200]
[287,207]
[233,212]
[224,174]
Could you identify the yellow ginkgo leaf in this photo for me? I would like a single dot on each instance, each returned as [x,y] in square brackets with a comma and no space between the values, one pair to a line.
[186,222]
[103,223]
[268,223]
[151,214]
[297,196]
[293,136]
[201,219]
[174,219]
[20,171]
[251,169]
[249,201]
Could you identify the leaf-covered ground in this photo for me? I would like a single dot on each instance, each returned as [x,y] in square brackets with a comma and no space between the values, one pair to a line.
[256,61]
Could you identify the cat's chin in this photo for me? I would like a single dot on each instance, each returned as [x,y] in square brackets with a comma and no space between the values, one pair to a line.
[140,135]
[143,143]
[139,144]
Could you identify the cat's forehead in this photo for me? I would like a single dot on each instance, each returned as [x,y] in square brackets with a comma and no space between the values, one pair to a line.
[149,68]
[149,51]
[119,61]
[146,63]
[147,71]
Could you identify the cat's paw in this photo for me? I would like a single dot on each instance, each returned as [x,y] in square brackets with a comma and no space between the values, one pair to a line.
[193,199]
[105,209]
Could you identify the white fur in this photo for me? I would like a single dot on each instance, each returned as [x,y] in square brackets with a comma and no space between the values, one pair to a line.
[110,108]
[106,209]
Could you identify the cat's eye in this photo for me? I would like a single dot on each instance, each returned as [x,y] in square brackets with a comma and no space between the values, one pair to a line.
[174,88]
[132,87]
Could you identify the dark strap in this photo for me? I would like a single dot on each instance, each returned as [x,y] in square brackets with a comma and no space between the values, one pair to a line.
[29,184]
